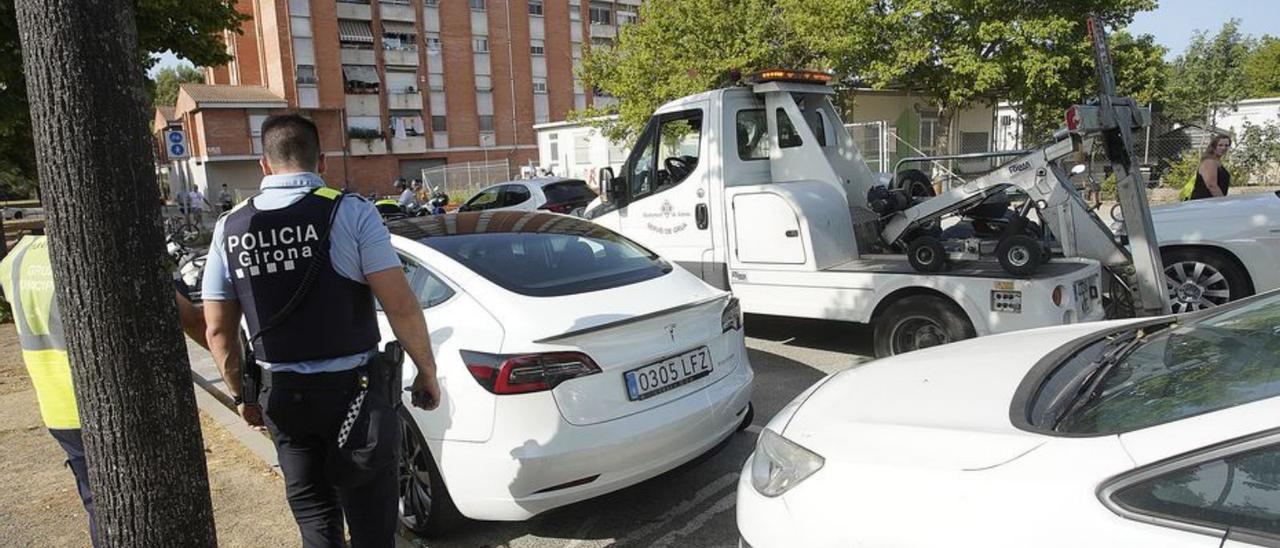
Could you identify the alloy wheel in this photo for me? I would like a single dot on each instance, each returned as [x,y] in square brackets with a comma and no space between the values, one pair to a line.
[1194,285]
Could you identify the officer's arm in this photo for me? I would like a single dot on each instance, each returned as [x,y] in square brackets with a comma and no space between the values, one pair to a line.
[223,335]
[404,313]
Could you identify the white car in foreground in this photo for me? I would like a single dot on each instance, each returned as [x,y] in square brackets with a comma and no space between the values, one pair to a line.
[1125,433]
[572,362]
[1218,250]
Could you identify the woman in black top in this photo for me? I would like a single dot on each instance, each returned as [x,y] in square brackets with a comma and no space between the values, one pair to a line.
[1212,179]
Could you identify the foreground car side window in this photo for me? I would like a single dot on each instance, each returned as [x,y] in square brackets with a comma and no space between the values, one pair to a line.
[1238,493]
[428,287]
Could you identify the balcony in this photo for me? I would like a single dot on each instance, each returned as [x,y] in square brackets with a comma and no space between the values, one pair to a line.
[351,56]
[367,147]
[599,30]
[397,12]
[404,101]
[363,105]
[400,57]
[409,145]
[353,10]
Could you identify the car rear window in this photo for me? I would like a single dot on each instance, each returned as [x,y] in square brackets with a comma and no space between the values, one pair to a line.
[1186,369]
[568,192]
[540,255]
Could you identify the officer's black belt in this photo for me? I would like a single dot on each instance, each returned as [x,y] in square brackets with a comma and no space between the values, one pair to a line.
[333,380]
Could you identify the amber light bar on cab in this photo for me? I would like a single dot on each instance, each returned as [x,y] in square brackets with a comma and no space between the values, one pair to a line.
[784,75]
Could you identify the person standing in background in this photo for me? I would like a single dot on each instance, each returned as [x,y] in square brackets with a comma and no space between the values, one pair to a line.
[1212,178]
[225,199]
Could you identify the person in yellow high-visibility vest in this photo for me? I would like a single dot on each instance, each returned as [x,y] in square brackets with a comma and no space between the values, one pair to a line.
[26,276]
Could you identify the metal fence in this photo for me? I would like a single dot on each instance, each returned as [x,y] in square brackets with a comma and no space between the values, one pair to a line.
[461,181]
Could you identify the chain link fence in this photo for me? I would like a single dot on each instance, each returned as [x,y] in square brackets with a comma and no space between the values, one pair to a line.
[461,181]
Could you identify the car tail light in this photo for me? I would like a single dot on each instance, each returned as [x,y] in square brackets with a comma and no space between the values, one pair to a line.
[524,373]
[731,318]
[557,207]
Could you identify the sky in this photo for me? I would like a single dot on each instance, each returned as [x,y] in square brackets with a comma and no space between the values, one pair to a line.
[1172,23]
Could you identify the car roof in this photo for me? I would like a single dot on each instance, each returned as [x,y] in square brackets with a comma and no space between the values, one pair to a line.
[492,222]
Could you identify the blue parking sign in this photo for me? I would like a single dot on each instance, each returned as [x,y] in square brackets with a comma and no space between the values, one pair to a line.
[176,137]
[176,150]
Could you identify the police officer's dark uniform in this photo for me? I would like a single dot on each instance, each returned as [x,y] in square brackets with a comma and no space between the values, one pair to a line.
[303,310]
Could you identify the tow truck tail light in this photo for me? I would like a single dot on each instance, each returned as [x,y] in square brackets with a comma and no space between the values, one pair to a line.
[1073,119]
[525,373]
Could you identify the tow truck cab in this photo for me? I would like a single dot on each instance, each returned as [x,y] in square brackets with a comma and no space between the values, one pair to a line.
[760,190]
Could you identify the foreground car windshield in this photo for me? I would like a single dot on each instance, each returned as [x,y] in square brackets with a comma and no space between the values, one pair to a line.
[536,254]
[1172,372]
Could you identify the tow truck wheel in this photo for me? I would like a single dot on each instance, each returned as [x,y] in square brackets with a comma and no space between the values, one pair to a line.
[926,254]
[917,322]
[1020,255]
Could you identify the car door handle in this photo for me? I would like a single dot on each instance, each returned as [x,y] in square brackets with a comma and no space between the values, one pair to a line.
[700,215]
[792,233]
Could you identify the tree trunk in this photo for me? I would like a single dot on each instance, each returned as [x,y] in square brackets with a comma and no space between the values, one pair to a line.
[129,362]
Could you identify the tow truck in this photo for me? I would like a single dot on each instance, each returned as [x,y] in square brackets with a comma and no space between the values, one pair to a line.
[759,189]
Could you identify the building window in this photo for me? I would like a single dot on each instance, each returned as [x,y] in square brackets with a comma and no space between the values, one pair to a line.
[477,5]
[406,123]
[395,37]
[627,17]
[361,79]
[537,47]
[535,7]
[601,13]
[553,144]
[354,34]
[486,123]
[431,3]
[307,75]
[928,135]
[438,124]
[575,11]
[480,45]
[539,86]
[582,148]
[433,42]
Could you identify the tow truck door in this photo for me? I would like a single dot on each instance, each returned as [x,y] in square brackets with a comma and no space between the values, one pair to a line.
[668,206]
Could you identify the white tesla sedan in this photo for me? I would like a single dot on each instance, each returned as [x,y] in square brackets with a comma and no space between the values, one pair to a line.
[572,362]
[1154,432]
[1218,250]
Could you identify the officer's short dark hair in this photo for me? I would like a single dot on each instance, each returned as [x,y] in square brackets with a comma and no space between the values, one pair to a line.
[291,140]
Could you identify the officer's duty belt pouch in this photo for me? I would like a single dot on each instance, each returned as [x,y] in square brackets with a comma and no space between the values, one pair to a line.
[369,436]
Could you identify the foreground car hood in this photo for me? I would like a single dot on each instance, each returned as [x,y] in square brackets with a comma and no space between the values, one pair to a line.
[943,407]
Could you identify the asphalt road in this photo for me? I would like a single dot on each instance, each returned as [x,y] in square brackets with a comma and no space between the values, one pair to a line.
[691,506]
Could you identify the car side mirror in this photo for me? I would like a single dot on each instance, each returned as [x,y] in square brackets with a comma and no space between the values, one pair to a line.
[611,189]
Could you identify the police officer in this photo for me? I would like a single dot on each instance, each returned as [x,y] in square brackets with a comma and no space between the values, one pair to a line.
[329,255]
[27,278]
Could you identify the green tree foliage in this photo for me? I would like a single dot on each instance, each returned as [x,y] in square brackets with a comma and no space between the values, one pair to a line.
[192,29]
[1262,68]
[681,47]
[1209,75]
[1257,154]
[959,51]
[167,81]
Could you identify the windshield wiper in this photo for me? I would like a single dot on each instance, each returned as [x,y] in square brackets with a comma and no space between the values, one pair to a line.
[1117,349]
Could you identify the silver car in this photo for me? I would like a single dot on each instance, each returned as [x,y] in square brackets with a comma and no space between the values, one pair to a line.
[556,194]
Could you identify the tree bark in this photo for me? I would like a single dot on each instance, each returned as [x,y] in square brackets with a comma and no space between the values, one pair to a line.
[129,362]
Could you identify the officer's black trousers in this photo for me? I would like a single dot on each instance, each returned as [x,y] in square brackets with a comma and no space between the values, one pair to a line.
[304,422]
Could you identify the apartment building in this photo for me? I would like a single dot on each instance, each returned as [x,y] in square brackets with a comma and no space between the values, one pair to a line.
[395,86]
